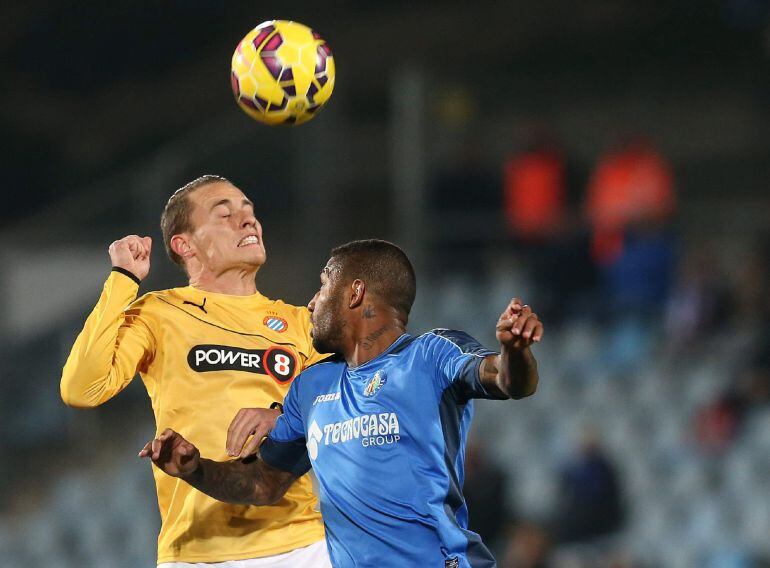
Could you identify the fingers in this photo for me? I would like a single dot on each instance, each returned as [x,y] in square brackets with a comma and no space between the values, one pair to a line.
[146,450]
[142,246]
[235,433]
[532,327]
[519,325]
[256,422]
[156,446]
[120,251]
[172,454]
[537,332]
[513,308]
[138,247]
[252,445]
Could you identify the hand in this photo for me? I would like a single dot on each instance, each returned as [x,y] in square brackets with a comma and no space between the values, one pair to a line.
[172,454]
[132,253]
[518,326]
[255,422]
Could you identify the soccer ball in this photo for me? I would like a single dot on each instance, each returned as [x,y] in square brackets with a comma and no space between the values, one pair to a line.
[282,73]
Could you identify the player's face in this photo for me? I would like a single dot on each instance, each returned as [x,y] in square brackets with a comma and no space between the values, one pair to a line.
[226,234]
[326,313]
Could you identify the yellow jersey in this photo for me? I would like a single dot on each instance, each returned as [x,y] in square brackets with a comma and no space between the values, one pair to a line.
[202,356]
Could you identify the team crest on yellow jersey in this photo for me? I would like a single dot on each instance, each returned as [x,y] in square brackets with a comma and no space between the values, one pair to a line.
[376,383]
[276,323]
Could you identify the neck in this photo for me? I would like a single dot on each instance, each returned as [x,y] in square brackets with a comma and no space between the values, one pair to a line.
[237,282]
[375,332]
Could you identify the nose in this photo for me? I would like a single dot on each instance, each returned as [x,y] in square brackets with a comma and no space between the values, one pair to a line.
[311,303]
[249,220]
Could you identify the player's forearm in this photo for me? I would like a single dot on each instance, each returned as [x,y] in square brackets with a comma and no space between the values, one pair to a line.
[93,373]
[517,374]
[239,482]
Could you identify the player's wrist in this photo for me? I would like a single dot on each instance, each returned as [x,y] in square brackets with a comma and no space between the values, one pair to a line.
[195,476]
[126,272]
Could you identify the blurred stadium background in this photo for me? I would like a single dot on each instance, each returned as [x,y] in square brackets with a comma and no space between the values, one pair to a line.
[606,160]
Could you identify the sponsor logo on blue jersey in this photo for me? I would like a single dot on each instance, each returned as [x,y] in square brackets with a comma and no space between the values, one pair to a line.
[368,429]
[332,396]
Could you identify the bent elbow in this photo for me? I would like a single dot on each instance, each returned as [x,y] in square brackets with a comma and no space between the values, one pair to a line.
[75,399]
[266,496]
[524,393]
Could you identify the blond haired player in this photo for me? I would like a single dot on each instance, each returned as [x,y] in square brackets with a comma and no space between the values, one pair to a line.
[205,352]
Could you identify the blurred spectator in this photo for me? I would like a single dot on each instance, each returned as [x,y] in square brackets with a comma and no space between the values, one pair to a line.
[541,191]
[536,193]
[751,288]
[590,504]
[630,203]
[719,423]
[697,304]
[485,490]
[529,546]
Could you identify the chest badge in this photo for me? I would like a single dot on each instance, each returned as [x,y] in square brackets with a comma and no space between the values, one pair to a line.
[275,323]
[375,383]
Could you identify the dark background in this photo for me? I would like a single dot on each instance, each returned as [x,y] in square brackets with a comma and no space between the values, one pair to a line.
[651,425]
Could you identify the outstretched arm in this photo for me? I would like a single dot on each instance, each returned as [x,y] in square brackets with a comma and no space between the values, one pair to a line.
[513,373]
[241,482]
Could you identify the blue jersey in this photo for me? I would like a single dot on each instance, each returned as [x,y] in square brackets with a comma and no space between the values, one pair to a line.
[386,440]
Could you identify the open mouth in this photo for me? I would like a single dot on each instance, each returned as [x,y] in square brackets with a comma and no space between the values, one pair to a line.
[250,240]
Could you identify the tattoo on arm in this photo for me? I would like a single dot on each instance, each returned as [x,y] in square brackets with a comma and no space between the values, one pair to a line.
[241,482]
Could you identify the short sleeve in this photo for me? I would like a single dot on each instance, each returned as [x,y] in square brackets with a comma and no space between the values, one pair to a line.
[457,358]
[284,447]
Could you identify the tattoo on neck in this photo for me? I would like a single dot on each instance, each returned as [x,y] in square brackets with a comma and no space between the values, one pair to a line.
[369,340]
[368,312]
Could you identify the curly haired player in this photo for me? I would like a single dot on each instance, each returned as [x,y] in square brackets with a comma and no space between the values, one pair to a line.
[383,423]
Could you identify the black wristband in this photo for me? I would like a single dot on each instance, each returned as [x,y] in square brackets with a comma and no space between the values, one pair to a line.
[128,273]
[277,405]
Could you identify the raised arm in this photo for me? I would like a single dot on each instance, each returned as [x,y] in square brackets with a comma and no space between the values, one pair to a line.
[513,373]
[241,482]
[113,342]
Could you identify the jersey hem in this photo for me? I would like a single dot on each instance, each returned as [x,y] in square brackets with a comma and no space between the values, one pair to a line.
[244,555]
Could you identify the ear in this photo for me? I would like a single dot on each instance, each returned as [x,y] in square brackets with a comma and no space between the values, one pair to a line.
[181,246]
[357,291]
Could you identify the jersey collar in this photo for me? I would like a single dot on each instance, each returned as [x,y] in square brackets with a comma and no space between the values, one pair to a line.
[399,340]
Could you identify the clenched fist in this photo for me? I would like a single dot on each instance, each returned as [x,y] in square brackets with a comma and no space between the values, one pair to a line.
[172,454]
[132,253]
[518,326]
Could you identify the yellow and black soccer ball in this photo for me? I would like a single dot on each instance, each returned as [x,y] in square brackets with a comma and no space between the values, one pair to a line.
[282,73]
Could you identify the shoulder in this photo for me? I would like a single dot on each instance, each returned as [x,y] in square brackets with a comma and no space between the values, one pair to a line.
[155,300]
[316,377]
[151,301]
[454,340]
[330,366]
[298,314]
